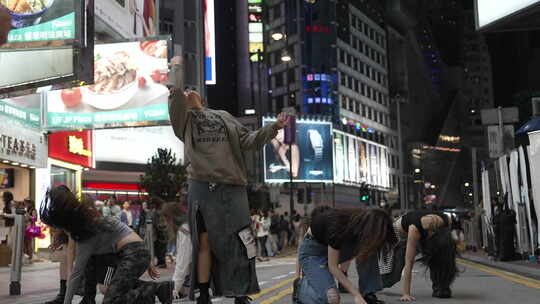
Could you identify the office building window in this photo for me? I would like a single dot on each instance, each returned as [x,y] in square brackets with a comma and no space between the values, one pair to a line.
[291,75]
[363,89]
[349,60]
[342,55]
[355,66]
[350,84]
[363,110]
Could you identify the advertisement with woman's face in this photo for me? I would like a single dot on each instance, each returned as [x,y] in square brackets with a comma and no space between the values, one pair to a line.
[311,154]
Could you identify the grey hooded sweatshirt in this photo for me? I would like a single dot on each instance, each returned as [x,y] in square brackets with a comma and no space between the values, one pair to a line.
[214,141]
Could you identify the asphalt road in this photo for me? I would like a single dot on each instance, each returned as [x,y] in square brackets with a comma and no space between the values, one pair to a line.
[477,284]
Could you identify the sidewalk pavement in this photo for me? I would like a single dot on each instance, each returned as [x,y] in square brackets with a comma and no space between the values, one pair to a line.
[521,267]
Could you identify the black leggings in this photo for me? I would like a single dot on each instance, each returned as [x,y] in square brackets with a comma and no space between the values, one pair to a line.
[125,285]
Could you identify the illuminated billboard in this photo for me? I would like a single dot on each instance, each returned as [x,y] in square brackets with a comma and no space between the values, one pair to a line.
[129,89]
[209,42]
[53,37]
[255,30]
[360,161]
[491,11]
[312,159]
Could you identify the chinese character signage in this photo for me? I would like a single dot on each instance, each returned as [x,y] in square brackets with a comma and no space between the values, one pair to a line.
[129,89]
[74,147]
[25,109]
[40,20]
[311,153]
[25,146]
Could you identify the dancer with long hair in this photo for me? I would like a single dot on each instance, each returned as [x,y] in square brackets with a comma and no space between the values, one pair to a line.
[427,232]
[96,235]
[336,236]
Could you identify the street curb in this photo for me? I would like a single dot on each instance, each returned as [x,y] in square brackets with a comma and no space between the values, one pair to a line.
[516,269]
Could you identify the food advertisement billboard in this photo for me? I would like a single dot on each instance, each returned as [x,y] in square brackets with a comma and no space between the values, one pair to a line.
[129,89]
[53,37]
[39,20]
[360,161]
[25,109]
[312,159]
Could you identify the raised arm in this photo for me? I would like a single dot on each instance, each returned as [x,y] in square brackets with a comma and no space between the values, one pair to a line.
[252,140]
[177,101]
[412,241]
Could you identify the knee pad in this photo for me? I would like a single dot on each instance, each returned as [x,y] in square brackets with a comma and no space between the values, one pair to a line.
[332,295]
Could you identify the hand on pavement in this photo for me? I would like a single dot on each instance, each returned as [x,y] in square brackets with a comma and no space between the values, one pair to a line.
[407,298]
[359,300]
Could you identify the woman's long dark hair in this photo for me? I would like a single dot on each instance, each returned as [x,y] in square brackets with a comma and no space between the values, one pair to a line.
[439,256]
[371,228]
[61,209]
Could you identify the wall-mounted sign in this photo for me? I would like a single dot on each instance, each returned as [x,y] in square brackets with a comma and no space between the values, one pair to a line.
[141,142]
[255,29]
[129,19]
[26,109]
[129,89]
[490,11]
[25,146]
[209,42]
[75,147]
[39,20]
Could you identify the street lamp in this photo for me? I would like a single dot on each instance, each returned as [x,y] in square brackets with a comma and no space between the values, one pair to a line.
[433,186]
[285,57]
[278,36]
[467,184]
[416,170]
[470,194]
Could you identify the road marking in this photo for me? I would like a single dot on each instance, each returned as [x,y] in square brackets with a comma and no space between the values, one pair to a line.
[263,282]
[270,289]
[532,283]
[280,277]
[292,272]
[277,297]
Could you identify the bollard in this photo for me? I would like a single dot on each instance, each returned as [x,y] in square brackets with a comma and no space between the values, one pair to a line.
[149,238]
[17,254]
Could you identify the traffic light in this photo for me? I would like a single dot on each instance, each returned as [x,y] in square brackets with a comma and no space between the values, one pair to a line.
[364,193]
[300,196]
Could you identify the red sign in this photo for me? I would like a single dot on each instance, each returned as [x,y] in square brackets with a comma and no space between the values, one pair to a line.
[74,147]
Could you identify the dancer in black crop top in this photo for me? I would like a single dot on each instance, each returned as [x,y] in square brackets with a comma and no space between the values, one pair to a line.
[429,232]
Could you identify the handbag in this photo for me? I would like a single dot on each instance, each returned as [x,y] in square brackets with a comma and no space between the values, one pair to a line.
[33,231]
[59,255]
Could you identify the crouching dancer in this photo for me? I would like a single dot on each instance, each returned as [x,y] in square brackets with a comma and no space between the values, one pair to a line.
[336,236]
[96,235]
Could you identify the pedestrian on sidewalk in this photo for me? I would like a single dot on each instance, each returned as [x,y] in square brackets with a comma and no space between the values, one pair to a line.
[274,233]
[31,218]
[284,232]
[177,222]
[428,232]
[126,216]
[96,235]
[336,236]
[214,141]
[262,235]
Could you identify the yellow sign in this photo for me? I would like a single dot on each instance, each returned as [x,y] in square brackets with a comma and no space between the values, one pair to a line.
[76,146]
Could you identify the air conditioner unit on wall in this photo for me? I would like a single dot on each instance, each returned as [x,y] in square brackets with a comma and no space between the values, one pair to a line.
[535,106]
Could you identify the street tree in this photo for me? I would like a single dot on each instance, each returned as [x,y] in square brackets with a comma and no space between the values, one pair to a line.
[164,175]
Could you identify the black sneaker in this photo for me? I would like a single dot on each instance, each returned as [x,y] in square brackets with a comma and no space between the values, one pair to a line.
[442,293]
[87,300]
[242,300]
[371,298]
[204,300]
[58,300]
[165,292]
